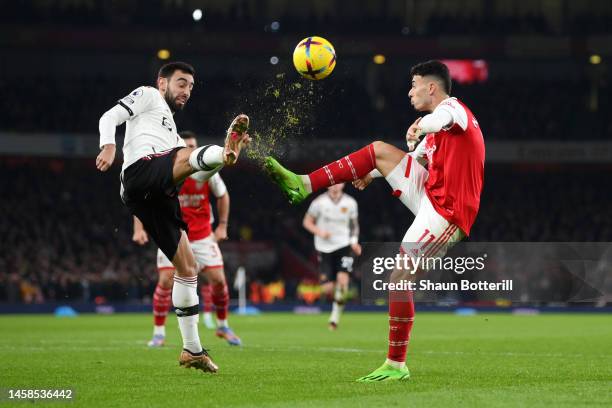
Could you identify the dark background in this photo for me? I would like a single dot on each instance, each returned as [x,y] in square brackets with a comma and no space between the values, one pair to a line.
[544,110]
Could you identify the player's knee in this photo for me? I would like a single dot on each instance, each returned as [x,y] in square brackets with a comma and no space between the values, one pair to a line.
[192,269]
[380,148]
[182,156]
[181,160]
[187,270]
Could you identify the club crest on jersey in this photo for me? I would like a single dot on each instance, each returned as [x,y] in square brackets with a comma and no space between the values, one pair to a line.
[343,210]
[166,123]
[137,92]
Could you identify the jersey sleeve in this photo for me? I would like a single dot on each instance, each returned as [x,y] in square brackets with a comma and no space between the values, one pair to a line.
[457,112]
[314,210]
[217,186]
[138,101]
[420,151]
[108,124]
[354,209]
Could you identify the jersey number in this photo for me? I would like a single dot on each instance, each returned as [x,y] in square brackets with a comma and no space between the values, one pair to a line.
[425,240]
[347,263]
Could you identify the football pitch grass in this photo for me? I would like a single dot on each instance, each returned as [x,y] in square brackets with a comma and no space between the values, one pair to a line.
[488,360]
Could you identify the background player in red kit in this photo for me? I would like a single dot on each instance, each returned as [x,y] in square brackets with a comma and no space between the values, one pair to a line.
[444,197]
[194,198]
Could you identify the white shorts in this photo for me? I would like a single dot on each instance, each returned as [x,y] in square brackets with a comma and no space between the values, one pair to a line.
[206,251]
[430,234]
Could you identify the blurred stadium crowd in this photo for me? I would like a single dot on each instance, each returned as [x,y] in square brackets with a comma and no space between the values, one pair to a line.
[507,109]
[66,235]
[433,19]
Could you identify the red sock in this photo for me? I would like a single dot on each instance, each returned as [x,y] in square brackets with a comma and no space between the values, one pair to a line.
[206,294]
[348,168]
[401,318]
[162,298]
[220,298]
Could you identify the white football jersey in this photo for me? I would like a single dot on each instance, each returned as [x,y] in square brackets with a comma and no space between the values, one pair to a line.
[150,128]
[335,218]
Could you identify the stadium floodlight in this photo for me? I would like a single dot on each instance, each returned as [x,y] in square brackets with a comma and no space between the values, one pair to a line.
[163,54]
[379,59]
[595,59]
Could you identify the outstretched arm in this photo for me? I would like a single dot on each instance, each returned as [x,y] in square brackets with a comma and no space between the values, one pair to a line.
[138,101]
[223,207]
[219,190]
[362,183]
[311,226]
[432,123]
[140,236]
[354,240]
[107,126]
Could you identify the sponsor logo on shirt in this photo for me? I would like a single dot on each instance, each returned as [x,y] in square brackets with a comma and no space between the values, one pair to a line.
[128,100]
[191,200]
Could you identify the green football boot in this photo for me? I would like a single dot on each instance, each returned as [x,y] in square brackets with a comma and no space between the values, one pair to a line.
[290,183]
[386,373]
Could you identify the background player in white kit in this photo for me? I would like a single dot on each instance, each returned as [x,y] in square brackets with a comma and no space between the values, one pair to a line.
[333,220]
[155,162]
[196,209]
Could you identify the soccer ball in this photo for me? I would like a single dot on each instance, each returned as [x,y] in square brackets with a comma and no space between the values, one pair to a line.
[314,58]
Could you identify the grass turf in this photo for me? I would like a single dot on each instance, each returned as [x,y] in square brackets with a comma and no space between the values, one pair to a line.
[489,360]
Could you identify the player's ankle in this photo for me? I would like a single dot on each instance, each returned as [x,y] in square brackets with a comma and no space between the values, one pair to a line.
[306,181]
[159,330]
[396,364]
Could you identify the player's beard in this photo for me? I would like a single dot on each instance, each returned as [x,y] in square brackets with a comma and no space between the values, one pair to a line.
[171,101]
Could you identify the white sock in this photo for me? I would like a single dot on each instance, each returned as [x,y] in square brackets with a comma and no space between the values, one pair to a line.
[306,180]
[189,332]
[336,311]
[222,323]
[185,300]
[338,305]
[159,331]
[396,364]
[206,158]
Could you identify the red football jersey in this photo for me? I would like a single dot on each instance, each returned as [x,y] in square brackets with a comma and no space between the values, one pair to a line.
[456,167]
[195,206]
